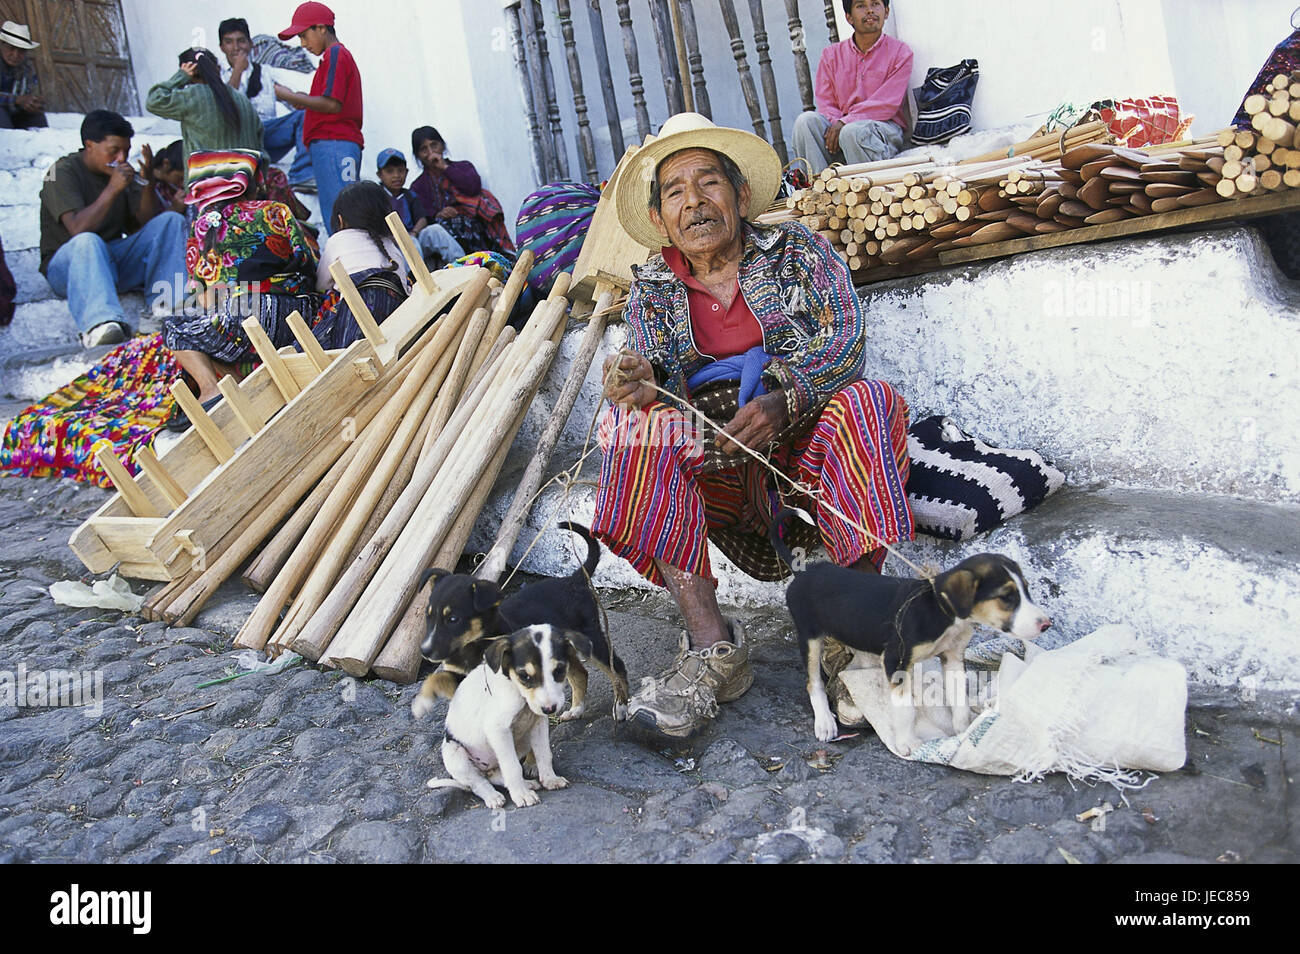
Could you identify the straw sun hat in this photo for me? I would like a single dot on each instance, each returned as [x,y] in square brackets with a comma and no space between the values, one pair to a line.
[756,159]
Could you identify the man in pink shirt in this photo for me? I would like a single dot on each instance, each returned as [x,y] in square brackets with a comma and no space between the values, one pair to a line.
[861,85]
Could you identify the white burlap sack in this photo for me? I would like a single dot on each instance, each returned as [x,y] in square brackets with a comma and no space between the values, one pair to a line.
[1093,709]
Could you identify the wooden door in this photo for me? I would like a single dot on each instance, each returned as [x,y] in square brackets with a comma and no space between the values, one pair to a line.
[83,58]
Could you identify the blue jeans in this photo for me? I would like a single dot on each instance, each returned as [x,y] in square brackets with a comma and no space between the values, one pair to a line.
[864,141]
[283,133]
[89,272]
[437,241]
[336,163]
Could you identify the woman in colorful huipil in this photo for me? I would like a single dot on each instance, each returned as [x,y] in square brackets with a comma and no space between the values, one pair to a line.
[246,256]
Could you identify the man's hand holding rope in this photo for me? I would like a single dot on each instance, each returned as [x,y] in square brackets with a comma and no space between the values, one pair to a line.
[629,379]
[756,424]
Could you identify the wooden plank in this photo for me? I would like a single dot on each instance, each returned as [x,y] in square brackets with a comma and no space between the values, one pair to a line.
[126,538]
[311,347]
[188,460]
[222,499]
[141,506]
[1218,212]
[271,358]
[89,547]
[413,315]
[150,464]
[608,251]
[357,305]
[411,252]
[217,442]
[247,415]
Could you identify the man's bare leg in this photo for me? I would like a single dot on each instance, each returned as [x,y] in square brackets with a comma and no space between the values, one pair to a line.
[204,370]
[698,602]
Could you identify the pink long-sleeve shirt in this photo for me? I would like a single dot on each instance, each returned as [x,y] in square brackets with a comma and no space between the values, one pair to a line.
[852,85]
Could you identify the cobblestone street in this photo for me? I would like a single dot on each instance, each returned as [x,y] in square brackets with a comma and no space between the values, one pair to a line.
[311,765]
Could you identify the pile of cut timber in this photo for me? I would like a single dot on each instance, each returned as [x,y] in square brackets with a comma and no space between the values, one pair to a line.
[1270,149]
[909,215]
[900,211]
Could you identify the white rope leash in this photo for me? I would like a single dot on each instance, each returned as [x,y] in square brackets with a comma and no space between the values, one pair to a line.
[569,476]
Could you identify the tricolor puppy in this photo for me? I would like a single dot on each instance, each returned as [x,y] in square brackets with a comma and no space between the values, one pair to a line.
[500,713]
[904,621]
[464,613]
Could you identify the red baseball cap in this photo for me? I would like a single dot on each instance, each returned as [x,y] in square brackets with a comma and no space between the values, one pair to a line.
[307,16]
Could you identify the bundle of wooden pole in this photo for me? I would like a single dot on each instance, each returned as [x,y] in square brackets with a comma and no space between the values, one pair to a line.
[339,576]
[883,214]
[897,217]
[1272,143]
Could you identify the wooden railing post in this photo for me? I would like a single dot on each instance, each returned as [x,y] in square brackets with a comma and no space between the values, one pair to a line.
[832,24]
[535,24]
[634,69]
[742,65]
[694,59]
[586,146]
[659,22]
[770,94]
[606,80]
[525,47]
[799,45]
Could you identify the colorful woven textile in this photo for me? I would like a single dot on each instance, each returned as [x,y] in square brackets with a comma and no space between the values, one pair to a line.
[553,223]
[653,503]
[252,240]
[123,400]
[801,294]
[220,176]
[496,263]
[334,325]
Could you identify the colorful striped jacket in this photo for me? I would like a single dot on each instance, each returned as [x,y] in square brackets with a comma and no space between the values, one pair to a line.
[801,294]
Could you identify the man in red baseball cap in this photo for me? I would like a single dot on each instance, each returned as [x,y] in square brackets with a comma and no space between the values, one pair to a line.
[331,127]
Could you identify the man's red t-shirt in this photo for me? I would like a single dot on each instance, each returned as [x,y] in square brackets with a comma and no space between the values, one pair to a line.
[719,332]
[337,78]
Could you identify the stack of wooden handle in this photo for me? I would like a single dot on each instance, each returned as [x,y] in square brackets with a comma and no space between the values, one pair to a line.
[1271,147]
[897,216]
[339,576]
[887,213]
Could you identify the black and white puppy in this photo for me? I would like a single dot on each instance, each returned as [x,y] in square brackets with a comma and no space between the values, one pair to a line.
[904,621]
[500,712]
[464,613]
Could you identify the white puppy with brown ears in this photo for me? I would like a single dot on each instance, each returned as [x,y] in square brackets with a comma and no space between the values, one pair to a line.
[500,712]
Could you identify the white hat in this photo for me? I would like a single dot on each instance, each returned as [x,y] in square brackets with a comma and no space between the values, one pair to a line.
[17,34]
[757,160]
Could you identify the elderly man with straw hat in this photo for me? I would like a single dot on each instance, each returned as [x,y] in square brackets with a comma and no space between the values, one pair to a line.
[759,330]
[21,103]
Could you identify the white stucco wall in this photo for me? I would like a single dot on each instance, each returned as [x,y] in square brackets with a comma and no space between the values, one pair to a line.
[448,62]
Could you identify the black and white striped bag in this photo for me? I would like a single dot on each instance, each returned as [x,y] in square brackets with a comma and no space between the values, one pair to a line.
[959,486]
[943,103]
